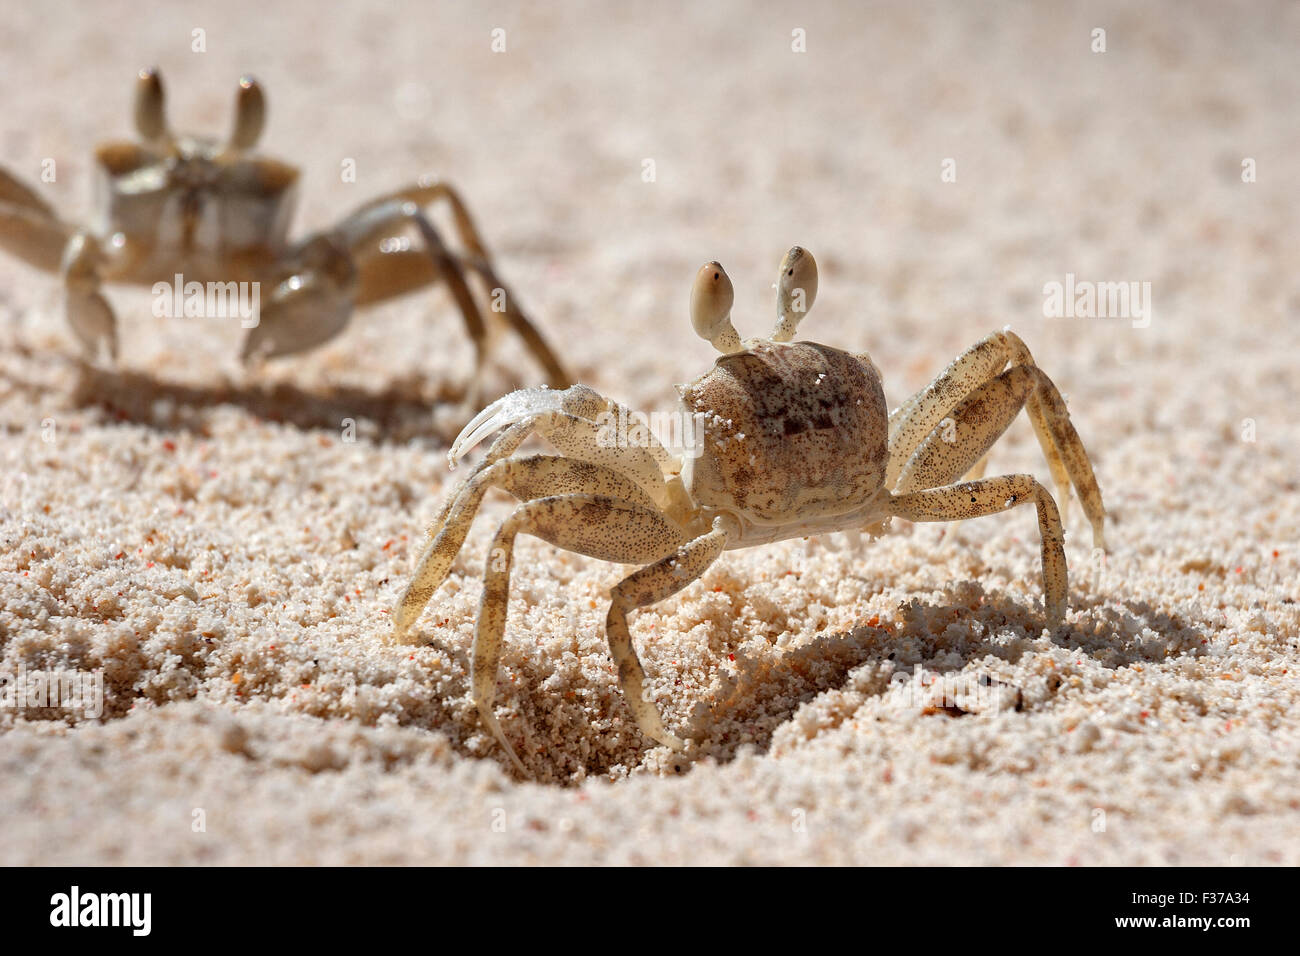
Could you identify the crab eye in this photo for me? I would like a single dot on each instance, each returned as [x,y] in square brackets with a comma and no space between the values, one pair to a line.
[796,291]
[150,113]
[711,299]
[250,114]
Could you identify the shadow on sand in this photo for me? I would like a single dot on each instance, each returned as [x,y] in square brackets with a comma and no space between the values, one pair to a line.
[400,410]
[967,623]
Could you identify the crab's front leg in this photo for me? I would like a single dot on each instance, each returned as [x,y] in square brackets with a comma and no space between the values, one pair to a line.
[569,419]
[613,530]
[525,478]
[574,504]
[648,586]
[30,229]
[598,526]
[88,312]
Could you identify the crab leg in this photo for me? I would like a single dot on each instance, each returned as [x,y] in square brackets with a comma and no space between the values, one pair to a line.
[388,273]
[556,376]
[916,424]
[14,192]
[425,193]
[600,527]
[29,229]
[973,499]
[525,478]
[912,421]
[936,463]
[314,304]
[399,271]
[917,417]
[88,312]
[979,420]
[649,586]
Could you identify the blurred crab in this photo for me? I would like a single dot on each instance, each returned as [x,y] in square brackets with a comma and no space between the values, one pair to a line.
[796,441]
[219,213]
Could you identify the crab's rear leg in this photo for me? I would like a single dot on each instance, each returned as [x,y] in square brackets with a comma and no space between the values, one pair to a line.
[973,499]
[389,272]
[921,419]
[917,417]
[941,459]
[428,191]
[921,414]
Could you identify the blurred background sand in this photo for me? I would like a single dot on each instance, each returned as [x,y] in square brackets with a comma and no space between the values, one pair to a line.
[209,540]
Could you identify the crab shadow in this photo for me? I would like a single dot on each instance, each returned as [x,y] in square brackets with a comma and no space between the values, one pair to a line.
[943,638]
[400,410]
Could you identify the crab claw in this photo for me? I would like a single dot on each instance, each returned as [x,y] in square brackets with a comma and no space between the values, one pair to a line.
[522,404]
[306,309]
[302,314]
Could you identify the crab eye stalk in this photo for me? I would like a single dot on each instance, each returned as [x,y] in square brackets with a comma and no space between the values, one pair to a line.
[711,300]
[150,114]
[250,114]
[796,290]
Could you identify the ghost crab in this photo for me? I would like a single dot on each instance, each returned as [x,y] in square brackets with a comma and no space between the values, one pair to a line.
[219,213]
[797,441]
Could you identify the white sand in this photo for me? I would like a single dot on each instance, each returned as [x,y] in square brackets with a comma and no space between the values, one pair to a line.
[212,544]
